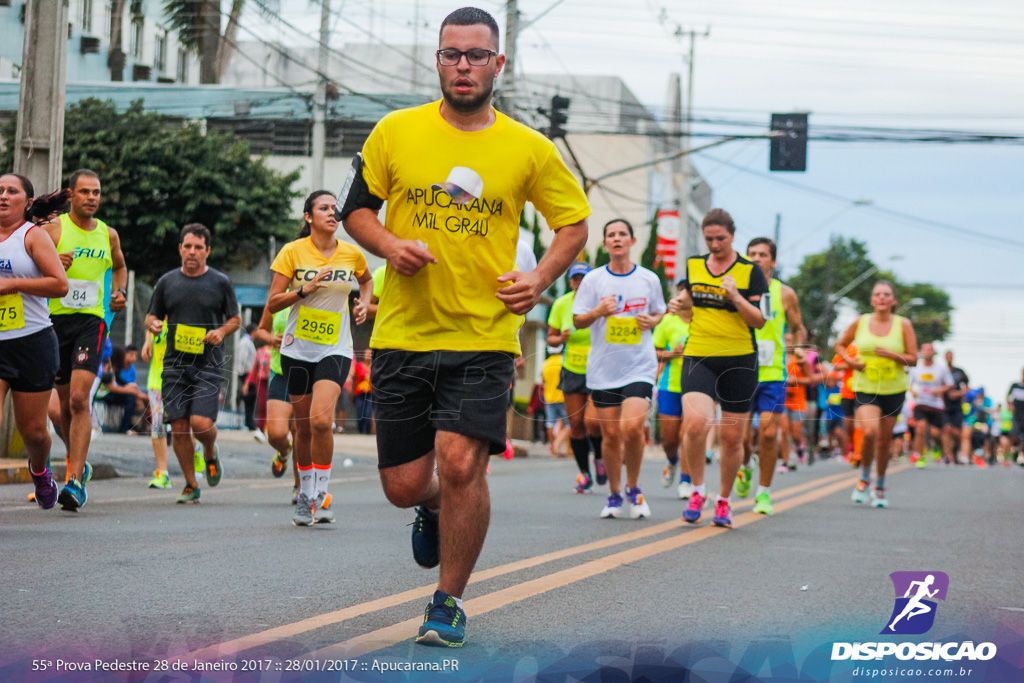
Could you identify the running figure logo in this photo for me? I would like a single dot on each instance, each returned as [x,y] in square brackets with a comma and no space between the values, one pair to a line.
[916,592]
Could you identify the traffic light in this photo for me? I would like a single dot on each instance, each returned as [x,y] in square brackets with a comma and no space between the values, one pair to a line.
[558,116]
[789,150]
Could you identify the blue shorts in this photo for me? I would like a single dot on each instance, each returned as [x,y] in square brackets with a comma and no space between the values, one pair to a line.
[555,413]
[770,397]
[670,403]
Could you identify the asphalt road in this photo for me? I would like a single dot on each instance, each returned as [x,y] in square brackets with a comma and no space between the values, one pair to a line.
[558,592]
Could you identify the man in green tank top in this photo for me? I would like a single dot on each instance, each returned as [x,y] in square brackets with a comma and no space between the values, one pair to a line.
[88,247]
[781,311]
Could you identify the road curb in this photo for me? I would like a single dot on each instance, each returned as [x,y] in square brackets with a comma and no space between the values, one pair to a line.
[20,474]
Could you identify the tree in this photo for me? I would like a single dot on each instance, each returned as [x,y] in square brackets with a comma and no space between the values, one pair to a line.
[158,176]
[823,275]
[198,25]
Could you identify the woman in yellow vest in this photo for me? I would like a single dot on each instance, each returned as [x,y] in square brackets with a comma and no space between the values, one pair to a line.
[724,290]
[886,347]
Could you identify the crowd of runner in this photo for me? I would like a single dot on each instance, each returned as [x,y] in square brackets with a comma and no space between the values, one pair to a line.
[724,360]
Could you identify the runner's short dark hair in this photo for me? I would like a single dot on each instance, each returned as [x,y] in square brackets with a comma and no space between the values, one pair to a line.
[719,217]
[471,16]
[80,173]
[197,229]
[763,240]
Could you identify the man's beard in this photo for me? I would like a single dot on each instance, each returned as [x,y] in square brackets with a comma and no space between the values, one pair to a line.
[468,105]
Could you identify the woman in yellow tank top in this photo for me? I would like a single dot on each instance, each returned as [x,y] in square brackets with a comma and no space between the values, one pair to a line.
[886,348]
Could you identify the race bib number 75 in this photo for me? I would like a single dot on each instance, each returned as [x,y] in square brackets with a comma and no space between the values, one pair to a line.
[12,312]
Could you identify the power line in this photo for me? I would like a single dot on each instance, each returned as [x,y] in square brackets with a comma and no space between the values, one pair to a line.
[891,213]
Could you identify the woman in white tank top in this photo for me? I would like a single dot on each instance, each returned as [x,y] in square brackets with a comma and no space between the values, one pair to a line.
[30,273]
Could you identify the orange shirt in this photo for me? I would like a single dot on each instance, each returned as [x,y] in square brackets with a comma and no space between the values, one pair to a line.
[846,388]
[796,394]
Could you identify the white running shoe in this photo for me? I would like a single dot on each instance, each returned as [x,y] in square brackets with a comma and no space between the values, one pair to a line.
[668,475]
[613,509]
[638,507]
[685,490]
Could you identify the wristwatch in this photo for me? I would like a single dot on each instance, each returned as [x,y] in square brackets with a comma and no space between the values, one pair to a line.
[124,292]
[302,295]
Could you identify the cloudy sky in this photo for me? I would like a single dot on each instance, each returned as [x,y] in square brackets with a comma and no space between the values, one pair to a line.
[949,214]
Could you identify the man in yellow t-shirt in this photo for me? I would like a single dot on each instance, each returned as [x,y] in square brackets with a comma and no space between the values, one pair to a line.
[555,417]
[456,175]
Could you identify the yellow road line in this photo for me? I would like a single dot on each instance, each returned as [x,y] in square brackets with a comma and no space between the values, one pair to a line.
[330,618]
[402,631]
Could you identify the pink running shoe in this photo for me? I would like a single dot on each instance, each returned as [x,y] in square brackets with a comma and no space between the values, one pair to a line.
[723,516]
[692,512]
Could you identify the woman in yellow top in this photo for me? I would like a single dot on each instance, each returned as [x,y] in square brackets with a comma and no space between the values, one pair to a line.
[886,347]
[725,292]
[313,277]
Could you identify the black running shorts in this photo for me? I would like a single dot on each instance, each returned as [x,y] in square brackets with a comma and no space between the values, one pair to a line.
[80,338]
[29,364]
[932,416]
[570,382]
[191,390]
[613,398]
[419,393]
[730,380]
[301,375]
[277,388]
[891,404]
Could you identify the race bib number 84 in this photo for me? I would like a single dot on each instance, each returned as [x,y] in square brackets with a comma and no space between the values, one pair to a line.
[81,294]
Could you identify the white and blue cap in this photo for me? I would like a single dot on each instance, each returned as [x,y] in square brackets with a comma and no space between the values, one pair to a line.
[579,268]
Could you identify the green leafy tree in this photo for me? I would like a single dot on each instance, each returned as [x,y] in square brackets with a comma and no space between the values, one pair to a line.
[824,275]
[158,176]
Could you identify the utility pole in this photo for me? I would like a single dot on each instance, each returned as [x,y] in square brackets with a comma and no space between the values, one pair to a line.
[508,80]
[691,238]
[320,102]
[39,138]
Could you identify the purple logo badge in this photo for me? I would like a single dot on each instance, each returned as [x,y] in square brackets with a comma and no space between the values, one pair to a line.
[916,593]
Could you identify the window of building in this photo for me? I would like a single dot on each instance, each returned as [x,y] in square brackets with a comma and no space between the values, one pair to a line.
[160,58]
[182,65]
[135,43]
[85,15]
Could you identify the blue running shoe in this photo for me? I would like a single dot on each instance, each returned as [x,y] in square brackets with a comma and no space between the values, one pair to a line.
[444,623]
[87,473]
[72,496]
[426,539]
[693,510]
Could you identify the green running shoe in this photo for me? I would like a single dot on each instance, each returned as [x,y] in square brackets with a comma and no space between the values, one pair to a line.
[213,470]
[189,495]
[200,462]
[87,473]
[763,504]
[160,480]
[743,479]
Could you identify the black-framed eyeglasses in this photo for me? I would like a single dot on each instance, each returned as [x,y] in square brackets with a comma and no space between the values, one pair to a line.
[476,56]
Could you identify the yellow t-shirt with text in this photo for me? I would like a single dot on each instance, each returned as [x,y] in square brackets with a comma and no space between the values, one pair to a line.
[461,193]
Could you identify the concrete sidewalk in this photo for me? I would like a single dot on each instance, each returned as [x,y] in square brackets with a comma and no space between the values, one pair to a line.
[118,455]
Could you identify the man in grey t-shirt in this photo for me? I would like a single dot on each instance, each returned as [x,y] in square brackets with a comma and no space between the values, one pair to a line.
[200,308]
